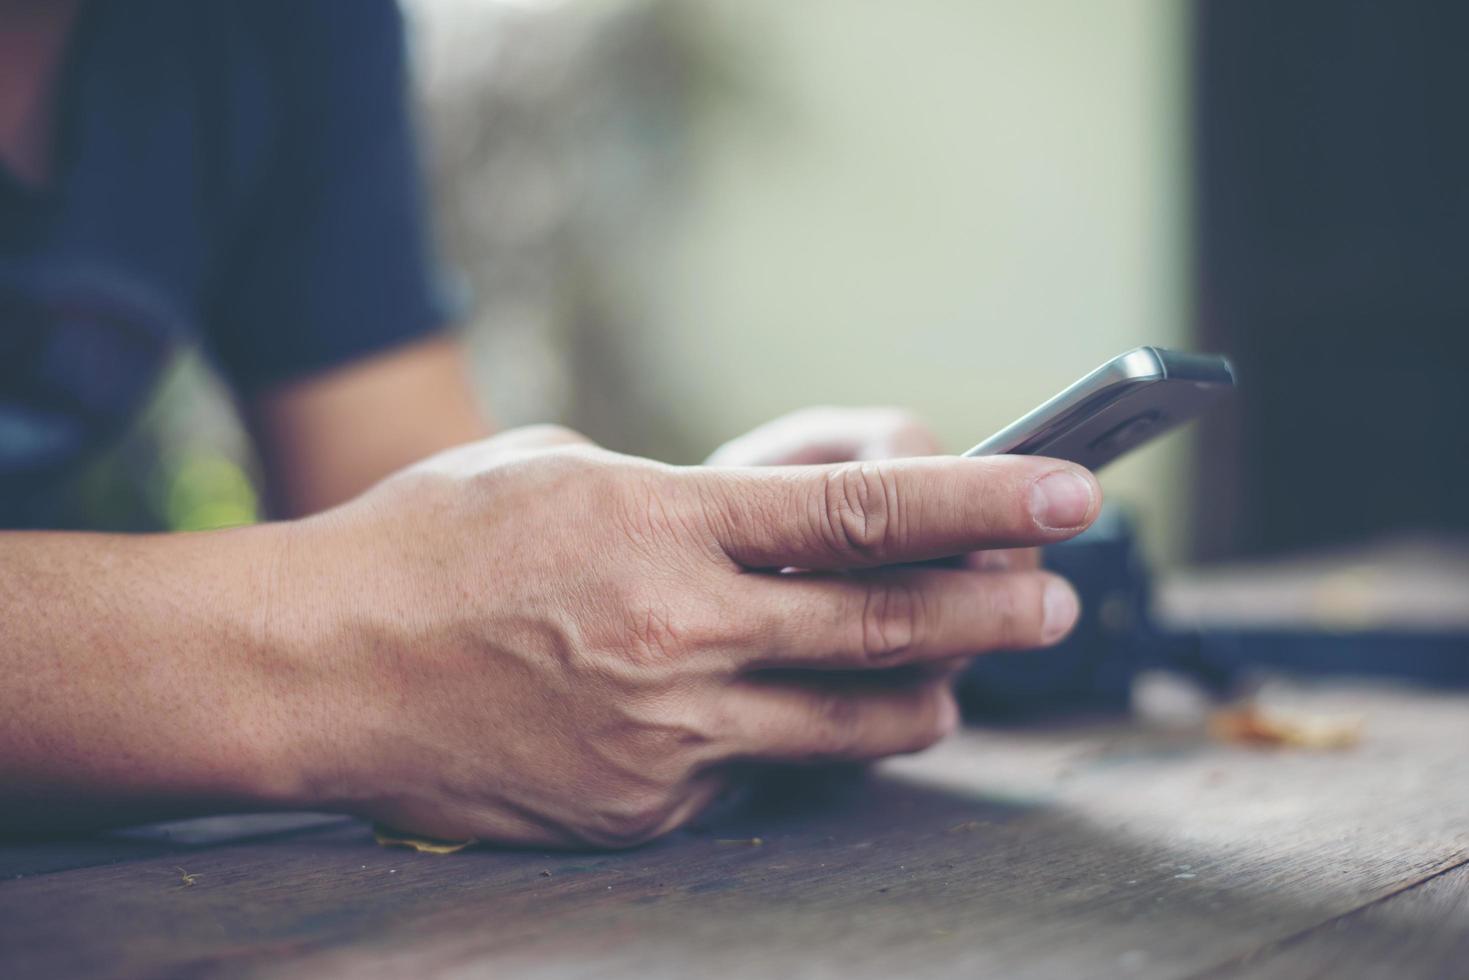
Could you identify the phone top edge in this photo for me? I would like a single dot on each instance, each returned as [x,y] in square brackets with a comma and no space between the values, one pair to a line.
[1139,365]
[1188,366]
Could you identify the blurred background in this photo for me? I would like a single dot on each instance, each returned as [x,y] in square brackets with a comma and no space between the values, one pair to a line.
[674,219]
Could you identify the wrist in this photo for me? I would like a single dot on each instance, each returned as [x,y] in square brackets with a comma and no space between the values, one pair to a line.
[317,688]
[159,675]
[294,708]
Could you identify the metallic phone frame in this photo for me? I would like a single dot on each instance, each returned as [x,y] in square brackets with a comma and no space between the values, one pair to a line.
[1171,387]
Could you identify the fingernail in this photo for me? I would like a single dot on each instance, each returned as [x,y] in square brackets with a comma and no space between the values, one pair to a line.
[1058,609]
[1061,500]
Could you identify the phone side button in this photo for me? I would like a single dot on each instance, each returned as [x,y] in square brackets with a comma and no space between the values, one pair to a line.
[1120,437]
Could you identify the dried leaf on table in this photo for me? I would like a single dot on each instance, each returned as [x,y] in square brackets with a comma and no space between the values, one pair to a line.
[1252,725]
[424,845]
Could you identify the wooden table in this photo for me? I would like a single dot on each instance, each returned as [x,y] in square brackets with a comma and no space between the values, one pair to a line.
[1085,850]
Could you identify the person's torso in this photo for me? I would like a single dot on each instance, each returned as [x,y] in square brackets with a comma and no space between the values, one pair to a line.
[162,127]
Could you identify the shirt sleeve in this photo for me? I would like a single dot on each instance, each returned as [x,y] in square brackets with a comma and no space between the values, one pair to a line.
[333,260]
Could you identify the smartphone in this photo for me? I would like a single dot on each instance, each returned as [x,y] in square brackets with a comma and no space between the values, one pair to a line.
[1130,400]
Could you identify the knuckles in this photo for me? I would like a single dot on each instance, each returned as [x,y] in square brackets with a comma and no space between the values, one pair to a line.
[1016,610]
[652,636]
[658,515]
[858,514]
[1005,609]
[834,720]
[664,626]
[891,622]
[602,638]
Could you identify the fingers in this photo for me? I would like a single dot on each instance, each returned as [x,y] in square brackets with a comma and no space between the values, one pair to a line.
[864,514]
[829,435]
[1004,560]
[790,722]
[891,618]
[946,669]
[900,435]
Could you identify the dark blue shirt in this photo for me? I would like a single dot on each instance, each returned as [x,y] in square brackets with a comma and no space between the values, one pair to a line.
[237,173]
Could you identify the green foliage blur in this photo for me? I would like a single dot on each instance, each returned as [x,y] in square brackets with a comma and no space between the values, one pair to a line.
[185,465]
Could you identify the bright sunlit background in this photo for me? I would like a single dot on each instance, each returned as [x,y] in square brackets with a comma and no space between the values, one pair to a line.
[959,206]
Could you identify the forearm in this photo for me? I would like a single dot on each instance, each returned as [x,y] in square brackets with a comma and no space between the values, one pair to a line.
[327,438]
[144,676]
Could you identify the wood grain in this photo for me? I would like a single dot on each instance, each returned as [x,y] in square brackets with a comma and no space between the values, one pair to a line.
[1093,851]
[1419,932]
[19,859]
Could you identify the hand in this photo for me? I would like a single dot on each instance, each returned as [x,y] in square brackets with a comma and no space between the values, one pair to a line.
[830,435]
[844,435]
[535,641]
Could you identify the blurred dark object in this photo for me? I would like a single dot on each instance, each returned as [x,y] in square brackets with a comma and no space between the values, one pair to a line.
[1396,611]
[1093,668]
[1396,608]
[1333,215]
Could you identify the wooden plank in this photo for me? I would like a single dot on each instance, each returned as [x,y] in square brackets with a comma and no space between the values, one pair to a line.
[22,858]
[1420,932]
[1410,584]
[1102,850]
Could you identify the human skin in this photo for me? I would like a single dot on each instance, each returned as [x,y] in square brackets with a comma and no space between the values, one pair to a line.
[838,434]
[526,639]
